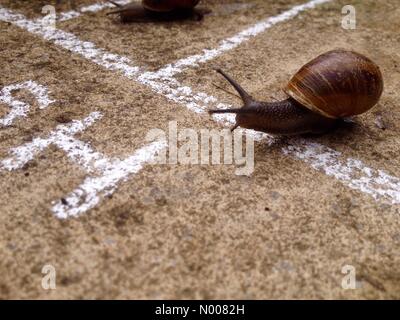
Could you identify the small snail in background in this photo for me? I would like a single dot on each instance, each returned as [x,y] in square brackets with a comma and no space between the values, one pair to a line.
[332,86]
[159,10]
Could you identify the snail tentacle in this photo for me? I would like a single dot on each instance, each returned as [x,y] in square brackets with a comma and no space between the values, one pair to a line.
[243,94]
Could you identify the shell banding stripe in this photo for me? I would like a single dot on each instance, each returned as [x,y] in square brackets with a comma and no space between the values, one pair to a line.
[337,84]
[308,89]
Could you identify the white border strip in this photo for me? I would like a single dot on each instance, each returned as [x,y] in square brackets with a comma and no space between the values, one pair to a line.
[107,173]
[62,137]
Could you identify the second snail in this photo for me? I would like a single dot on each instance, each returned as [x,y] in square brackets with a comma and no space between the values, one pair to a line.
[159,10]
[334,85]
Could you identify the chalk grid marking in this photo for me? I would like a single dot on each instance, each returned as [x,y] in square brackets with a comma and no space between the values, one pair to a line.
[351,172]
[19,108]
[388,186]
[89,193]
[105,173]
[62,136]
[228,44]
[168,71]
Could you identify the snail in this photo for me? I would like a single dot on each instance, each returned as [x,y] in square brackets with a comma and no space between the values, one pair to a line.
[333,86]
[159,10]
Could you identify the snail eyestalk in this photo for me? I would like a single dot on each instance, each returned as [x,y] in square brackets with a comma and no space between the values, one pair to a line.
[226,90]
[243,94]
[247,99]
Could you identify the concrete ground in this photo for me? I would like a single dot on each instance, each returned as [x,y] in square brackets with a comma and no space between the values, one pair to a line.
[195,231]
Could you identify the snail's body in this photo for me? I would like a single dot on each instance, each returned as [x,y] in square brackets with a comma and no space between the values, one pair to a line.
[334,85]
[285,117]
[159,10]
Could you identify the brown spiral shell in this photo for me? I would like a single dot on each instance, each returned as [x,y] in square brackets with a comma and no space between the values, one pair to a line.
[337,84]
[169,5]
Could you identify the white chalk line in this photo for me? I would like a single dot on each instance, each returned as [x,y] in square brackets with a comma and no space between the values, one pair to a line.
[62,136]
[225,45]
[76,150]
[101,57]
[19,108]
[88,194]
[106,173]
[70,42]
[184,95]
[351,172]
[92,8]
